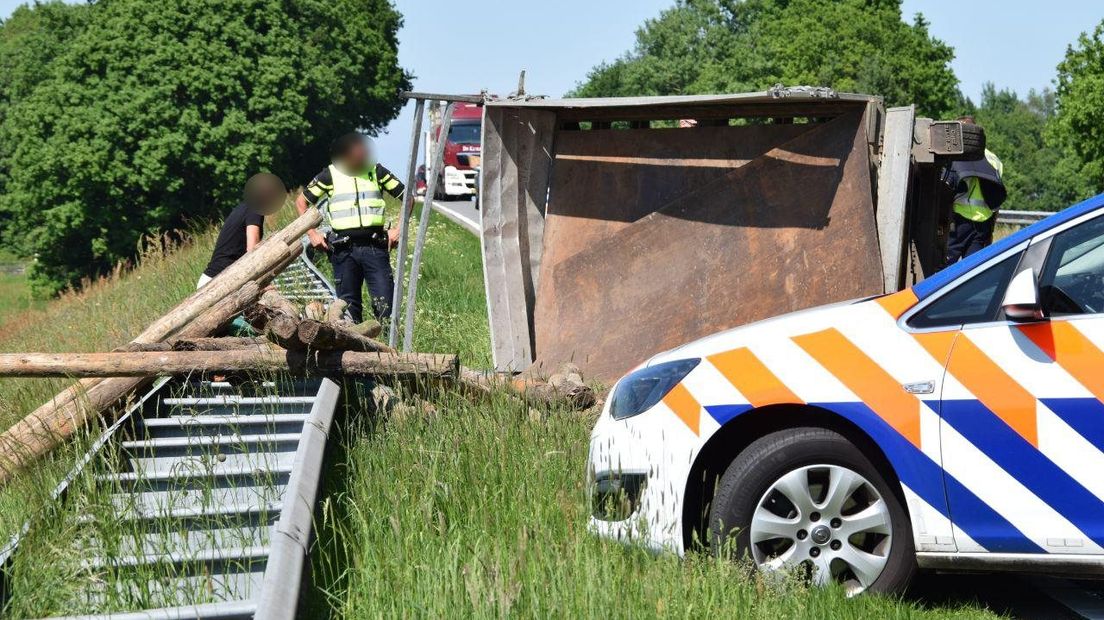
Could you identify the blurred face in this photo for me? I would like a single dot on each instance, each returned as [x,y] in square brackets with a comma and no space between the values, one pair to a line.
[265,194]
[358,157]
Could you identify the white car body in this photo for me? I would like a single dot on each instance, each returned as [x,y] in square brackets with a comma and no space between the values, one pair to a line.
[993,429]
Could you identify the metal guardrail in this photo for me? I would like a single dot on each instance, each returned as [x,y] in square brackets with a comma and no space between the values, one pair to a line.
[220,482]
[1022,218]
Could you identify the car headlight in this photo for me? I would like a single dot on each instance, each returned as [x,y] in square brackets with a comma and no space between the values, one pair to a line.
[642,389]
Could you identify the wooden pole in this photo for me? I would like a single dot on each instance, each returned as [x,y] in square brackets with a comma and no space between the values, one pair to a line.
[279,303]
[336,312]
[201,344]
[56,420]
[249,267]
[141,364]
[328,337]
[212,320]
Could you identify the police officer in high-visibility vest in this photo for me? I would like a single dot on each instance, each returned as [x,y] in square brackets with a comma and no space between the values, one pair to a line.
[359,241]
[979,191]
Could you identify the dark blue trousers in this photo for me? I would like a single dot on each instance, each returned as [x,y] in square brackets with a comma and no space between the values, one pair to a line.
[968,236]
[355,264]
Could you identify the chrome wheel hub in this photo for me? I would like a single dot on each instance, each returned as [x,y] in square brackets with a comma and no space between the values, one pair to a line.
[821,535]
[826,522]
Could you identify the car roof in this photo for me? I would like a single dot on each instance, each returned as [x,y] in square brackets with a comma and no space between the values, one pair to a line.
[939,279]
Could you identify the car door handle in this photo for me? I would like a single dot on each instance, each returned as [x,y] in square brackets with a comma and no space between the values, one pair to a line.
[920,387]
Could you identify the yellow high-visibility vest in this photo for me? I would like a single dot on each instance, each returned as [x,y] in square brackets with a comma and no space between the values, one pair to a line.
[970,204]
[355,202]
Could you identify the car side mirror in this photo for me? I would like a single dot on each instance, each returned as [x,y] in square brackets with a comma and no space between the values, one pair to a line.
[1021,300]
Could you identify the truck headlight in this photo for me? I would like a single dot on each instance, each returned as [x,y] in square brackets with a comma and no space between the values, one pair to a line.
[641,390]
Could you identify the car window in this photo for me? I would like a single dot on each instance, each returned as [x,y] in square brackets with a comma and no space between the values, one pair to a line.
[1072,281]
[977,300]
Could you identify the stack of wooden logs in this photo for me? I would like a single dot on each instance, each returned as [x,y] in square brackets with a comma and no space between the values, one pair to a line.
[316,342]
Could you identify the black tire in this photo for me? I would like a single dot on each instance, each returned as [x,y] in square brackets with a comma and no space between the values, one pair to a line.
[973,142]
[771,457]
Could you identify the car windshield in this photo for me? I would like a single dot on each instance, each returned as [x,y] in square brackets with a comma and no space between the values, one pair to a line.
[464,133]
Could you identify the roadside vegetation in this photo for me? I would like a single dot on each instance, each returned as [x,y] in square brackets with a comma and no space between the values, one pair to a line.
[16,294]
[440,508]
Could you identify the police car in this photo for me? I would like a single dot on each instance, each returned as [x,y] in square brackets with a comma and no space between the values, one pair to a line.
[955,425]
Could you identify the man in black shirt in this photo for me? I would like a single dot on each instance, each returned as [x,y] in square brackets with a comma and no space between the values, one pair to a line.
[241,232]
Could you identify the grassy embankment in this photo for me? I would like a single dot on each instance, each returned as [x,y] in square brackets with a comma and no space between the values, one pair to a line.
[15,291]
[469,511]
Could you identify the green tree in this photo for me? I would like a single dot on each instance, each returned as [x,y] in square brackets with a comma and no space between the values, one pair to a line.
[1015,130]
[154,114]
[701,46]
[1078,127]
[30,39]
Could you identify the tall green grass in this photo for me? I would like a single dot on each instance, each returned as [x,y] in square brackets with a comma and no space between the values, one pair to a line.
[105,314]
[438,508]
[15,289]
[480,511]
[476,510]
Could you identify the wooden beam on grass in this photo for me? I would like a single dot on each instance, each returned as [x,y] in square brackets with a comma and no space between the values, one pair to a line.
[148,363]
[328,337]
[201,344]
[204,311]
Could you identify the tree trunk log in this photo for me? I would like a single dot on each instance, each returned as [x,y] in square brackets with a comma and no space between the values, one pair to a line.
[215,318]
[335,314]
[199,344]
[370,328]
[279,303]
[140,364]
[197,316]
[253,265]
[283,330]
[329,337]
[315,310]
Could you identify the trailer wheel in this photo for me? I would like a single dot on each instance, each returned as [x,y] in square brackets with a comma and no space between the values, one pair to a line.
[808,500]
[973,142]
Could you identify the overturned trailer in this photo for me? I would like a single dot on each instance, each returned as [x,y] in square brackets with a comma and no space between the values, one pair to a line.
[613,229]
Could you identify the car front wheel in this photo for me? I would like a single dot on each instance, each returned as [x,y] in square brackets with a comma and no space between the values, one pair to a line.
[808,500]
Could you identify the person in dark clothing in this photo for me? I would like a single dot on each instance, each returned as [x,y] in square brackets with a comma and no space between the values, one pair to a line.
[978,193]
[242,230]
[349,192]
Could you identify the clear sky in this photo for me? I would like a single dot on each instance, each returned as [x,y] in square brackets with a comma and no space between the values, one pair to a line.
[465,46]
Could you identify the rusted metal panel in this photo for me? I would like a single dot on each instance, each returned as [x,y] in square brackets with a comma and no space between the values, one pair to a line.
[606,180]
[683,250]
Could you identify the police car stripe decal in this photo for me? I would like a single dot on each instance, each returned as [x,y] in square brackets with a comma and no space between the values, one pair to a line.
[1072,350]
[998,391]
[1003,455]
[685,406]
[980,522]
[1083,415]
[1069,449]
[1003,493]
[752,378]
[898,303]
[1027,465]
[869,381]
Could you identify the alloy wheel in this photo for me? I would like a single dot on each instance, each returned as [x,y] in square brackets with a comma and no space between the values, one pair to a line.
[826,522]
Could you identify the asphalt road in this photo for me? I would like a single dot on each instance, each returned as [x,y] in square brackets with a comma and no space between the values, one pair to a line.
[463,212]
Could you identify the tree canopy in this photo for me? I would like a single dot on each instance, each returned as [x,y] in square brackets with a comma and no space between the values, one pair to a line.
[1035,172]
[702,46]
[1078,126]
[125,117]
